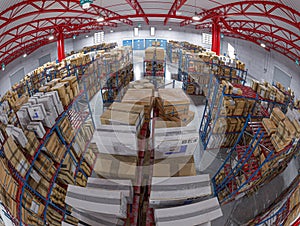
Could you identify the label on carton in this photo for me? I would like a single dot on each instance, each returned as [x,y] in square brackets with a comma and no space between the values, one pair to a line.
[34,207]
[35,176]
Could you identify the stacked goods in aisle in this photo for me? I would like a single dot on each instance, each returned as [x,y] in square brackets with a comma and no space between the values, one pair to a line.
[228,106]
[45,152]
[141,84]
[260,155]
[276,93]
[196,70]
[200,213]
[116,166]
[116,73]
[142,97]
[8,189]
[102,201]
[182,166]
[154,62]
[72,65]
[172,136]
[189,189]
[120,128]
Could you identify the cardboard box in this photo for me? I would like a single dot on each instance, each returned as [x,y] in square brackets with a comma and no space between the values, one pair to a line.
[269,126]
[171,142]
[37,128]
[95,201]
[190,188]
[37,112]
[115,166]
[174,167]
[199,213]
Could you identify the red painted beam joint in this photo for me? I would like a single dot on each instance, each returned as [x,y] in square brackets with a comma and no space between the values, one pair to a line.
[216,36]
[60,46]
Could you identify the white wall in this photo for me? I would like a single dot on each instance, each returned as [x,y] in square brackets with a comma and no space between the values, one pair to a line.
[143,34]
[261,63]
[256,58]
[30,63]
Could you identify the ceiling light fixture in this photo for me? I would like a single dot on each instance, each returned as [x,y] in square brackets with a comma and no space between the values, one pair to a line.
[51,37]
[86,36]
[25,55]
[170,29]
[196,17]
[86,4]
[3,67]
[263,45]
[100,18]
[111,31]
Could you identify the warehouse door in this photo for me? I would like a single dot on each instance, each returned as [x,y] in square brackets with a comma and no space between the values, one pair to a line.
[282,77]
[17,76]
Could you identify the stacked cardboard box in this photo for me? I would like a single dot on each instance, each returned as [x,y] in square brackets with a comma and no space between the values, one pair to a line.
[67,130]
[54,148]
[193,214]
[188,188]
[30,218]
[70,220]
[90,154]
[41,111]
[8,189]
[58,195]
[32,204]
[115,166]
[175,142]
[269,126]
[81,180]
[16,157]
[120,128]
[286,129]
[172,104]
[45,166]
[54,217]
[67,171]
[174,167]
[142,97]
[105,205]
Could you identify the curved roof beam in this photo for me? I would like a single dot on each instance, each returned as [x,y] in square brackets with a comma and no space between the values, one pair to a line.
[39,34]
[234,32]
[138,9]
[61,22]
[18,11]
[251,9]
[175,7]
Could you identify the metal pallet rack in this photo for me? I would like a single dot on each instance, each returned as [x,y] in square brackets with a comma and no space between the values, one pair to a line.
[211,136]
[78,112]
[115,75]
[251,162]
[154,67]
[194,71]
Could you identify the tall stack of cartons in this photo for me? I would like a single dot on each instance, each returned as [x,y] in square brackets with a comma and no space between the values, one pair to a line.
[99,203]
[143,97]
[285,130]
[173,136]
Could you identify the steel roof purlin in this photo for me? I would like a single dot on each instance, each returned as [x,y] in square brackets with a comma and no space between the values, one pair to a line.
[276,22]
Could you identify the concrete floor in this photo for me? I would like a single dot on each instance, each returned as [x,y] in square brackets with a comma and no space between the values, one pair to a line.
[209,161]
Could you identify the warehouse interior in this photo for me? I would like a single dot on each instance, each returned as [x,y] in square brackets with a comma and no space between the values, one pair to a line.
[144,112]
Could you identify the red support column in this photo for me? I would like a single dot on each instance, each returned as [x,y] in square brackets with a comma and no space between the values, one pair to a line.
[60,47]
[216,36]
